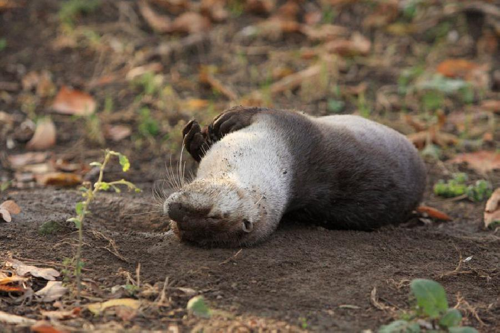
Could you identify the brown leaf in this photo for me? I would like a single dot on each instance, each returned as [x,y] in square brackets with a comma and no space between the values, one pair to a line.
[492,210]
[44,137]
[62,314]
[260,6]
[385,13]
[5,214]
[173,6]
[158,23]
[74,102]
[45,327]
[59,179]
[194,104]
[206,77]
[11,288]
[215,9]
[314,17]
[358,45]
[118,132]
[23,270]
[21,160]
[481,161]
[190,23]
[324,32]
[97,308]
[456,68]
[11,207]
[434,213]
[491,105]
[52,291]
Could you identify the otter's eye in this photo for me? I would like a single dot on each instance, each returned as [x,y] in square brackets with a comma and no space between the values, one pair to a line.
[247,226]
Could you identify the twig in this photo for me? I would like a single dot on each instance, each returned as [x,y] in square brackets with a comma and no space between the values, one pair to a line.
[111,243]
[233,257]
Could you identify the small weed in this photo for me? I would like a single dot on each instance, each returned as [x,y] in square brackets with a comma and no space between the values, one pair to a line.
[89,193]
[431,309]
[94,129]
[329,14]
[363,108]
[71,9]
[236,7]
[148,126]
[335,106]
[108,105]
[149,83]
[457,186]
[303,323]
[4,186]
[3,44]
[50,228]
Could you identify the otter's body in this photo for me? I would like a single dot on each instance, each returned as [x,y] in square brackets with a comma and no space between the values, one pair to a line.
[339,171]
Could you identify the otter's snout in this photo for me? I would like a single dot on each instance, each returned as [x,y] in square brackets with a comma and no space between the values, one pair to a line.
[181,212]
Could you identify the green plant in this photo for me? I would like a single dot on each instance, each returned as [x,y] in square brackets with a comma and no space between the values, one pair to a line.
[335,106]
[49,228]
[148,126]
[3,44]
[457,186]
[89,193]
[149,83]
[71,9]
[4,186]
[303,323]
[430,308]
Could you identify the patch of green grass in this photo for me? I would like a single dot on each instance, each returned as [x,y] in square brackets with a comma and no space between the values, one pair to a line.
[3,44]
[303,323]
[457,186]
[148,126]
[335,106]
[71,9]
[50,228]
[430,309]
[149,83]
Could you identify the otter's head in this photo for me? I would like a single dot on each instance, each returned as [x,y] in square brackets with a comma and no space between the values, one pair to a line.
[218,212]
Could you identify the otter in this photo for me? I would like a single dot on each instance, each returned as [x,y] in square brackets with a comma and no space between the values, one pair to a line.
[257,165]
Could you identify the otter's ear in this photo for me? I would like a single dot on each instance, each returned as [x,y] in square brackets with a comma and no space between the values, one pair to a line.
[195,140]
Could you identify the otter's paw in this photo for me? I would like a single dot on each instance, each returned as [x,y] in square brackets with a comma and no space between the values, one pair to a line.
[195,140]
[231,120]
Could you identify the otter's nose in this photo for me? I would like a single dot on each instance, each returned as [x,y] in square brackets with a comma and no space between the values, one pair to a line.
[181,212]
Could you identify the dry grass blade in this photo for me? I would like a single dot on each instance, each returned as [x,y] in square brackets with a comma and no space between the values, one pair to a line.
[377,303]
[434,213]
[295,80]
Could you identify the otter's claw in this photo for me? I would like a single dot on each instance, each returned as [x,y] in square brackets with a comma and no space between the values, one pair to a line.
[232,120]
[195,140]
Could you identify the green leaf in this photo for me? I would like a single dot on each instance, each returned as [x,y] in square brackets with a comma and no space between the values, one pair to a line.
[124,162]
[431,297]
[464,329]
[79,208]
[198,307]
[451,318]
[400,326]
[76,221]
[103,186]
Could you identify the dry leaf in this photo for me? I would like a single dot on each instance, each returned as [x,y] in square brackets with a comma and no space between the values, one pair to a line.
[74,102]
[12,283]
[9,208]
[434,213]
[97,308]
[358,45]
[44,137]
[492,210]
[52,291]
[45,327]
[324,32]
[21,160]
[385,13]
[173,6]
[158,23]
[260,6]
[15,320]
[206,77]
[481,161]
[135,72]
[456,68]
[59,179]
[23,270]
[194,104]
[63,314]
[190,23]
[118,132]
[491,105]
[215,9]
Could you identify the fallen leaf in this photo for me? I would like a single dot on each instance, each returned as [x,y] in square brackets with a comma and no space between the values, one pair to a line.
[59,179]
[358,45]
[456,68]
[158,23]
[313,17]
[491,105]
[173,6]
[385,13]
[190,23]
[206,77]
[45,327]
[215,9]
[52,291]
[324,32]
[434,213]
[23,270]
[135,72]
[97,308]
[9,208]
[62,314]
[260,6]
[194,104]
[20,160]
[492,210]
[15,320]
[73,102]
[118,132]
[432,135]
[44,137]
[481,161]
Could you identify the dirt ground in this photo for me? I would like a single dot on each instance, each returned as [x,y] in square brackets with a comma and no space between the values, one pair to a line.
[303,278]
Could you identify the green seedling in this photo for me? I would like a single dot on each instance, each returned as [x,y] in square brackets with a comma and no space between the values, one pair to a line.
[89,193]
[50,228]
[148,126]
[335,106]
[3,44]
[457,187]
[71,9]
[430,305]
[149,83]
[198,307]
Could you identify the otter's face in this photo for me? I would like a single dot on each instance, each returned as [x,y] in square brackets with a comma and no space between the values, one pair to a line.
[217,213]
